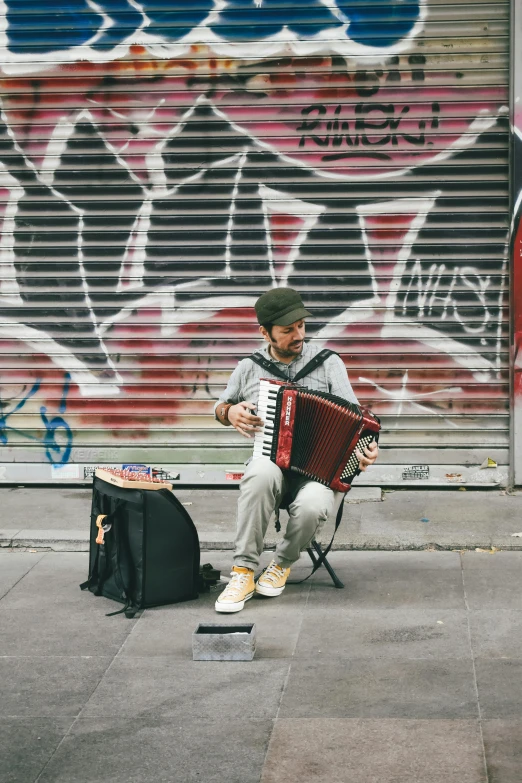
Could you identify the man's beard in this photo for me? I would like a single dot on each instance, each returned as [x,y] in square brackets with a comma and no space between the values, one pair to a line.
[284,353]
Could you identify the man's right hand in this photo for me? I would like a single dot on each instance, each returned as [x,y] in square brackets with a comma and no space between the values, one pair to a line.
[243,420]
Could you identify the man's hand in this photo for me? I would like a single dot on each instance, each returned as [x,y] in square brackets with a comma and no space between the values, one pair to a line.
[371,452]
[243,420]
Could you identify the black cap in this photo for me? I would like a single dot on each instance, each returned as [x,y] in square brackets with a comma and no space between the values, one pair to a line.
[280,307]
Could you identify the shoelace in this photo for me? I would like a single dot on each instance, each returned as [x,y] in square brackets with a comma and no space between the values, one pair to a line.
[237,583]
[273,573]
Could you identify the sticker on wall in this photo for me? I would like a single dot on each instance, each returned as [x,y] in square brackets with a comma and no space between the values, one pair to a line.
[416,472]
[135,468]
[162,473]
[455,477]
[165,474]
[234,475]
[59,472]
[89,470]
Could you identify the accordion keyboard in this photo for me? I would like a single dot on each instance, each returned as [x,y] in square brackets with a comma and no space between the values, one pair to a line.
[266,409]
[351,469]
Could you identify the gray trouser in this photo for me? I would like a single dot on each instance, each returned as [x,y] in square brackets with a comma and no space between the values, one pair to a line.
[262,488]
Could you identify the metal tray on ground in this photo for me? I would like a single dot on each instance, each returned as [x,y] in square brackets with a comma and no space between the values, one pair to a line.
[218,642]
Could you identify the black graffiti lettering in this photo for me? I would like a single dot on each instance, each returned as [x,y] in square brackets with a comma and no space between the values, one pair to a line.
[394,75]
[395,122]
[368,129]
[368,83]
[352,141]
[312,123]
[420,139]
[371,79]
[417,74]
[309,125]
[473,319]
[362,124]
[436,292]
[338,139]
[435,107]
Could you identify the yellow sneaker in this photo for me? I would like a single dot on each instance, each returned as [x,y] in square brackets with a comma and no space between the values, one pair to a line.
[240,588]
[273,579]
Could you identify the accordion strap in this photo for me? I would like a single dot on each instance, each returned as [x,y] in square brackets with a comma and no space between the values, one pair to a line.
[270,367]
[322,557]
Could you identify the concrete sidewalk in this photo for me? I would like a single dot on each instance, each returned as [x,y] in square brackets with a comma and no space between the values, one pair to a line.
[58,519]
[411,674]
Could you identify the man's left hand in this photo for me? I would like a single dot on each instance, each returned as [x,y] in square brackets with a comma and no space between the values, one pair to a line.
[371,452]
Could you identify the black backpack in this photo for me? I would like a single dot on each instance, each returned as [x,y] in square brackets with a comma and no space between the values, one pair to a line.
[144,548]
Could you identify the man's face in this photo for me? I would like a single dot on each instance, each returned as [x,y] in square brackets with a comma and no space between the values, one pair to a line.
[286,341]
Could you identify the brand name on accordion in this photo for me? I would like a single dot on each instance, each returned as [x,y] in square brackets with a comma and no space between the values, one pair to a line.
[288,410]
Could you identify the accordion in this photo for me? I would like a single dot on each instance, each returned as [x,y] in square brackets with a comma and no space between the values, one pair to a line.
[313,433]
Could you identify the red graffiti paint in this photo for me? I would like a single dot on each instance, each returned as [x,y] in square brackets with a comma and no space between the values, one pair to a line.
[166,363]
[517,313]
[343,123]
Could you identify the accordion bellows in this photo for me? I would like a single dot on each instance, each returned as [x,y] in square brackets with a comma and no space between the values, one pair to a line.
[313,433]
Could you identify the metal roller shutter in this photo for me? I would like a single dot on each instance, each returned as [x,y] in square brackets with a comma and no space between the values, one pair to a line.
[163,163]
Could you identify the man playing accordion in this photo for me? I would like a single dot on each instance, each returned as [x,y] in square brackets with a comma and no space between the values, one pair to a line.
[281,315]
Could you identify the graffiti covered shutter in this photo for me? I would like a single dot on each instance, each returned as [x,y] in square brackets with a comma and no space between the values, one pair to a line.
[163,164]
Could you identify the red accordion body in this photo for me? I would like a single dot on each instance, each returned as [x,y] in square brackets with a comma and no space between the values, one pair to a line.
[313,433]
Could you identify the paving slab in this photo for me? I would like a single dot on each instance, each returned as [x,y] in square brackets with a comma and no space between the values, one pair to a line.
[6,536]
[498,682]
[54,539]
[153,686]
[389,580]
[375,682]
[66,507]
[381,751]
[403,633]
[27,744]
[503,749]
[397,507]
[492,581]
[380,688]
[14,568]
[496,633]
[59,619]
[47,687]
[472,507]
[214,747]
[215,510]
[46,507]
[419,535]
[167,631]
[448,519]
[57,518]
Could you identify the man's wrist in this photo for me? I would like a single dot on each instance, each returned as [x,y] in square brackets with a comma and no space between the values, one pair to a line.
[222,412]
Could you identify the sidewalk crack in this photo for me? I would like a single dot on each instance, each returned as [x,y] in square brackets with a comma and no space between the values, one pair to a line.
[77,718]
[285,682]
[42,555]
[475,682]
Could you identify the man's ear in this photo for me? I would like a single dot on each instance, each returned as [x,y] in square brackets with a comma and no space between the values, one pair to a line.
[264,333]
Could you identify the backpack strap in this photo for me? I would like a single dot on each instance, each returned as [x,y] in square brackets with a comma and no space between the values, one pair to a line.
[115,555]
[101,565]
[270,367]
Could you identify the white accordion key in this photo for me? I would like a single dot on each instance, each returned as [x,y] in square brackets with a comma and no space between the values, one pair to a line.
[266,406]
